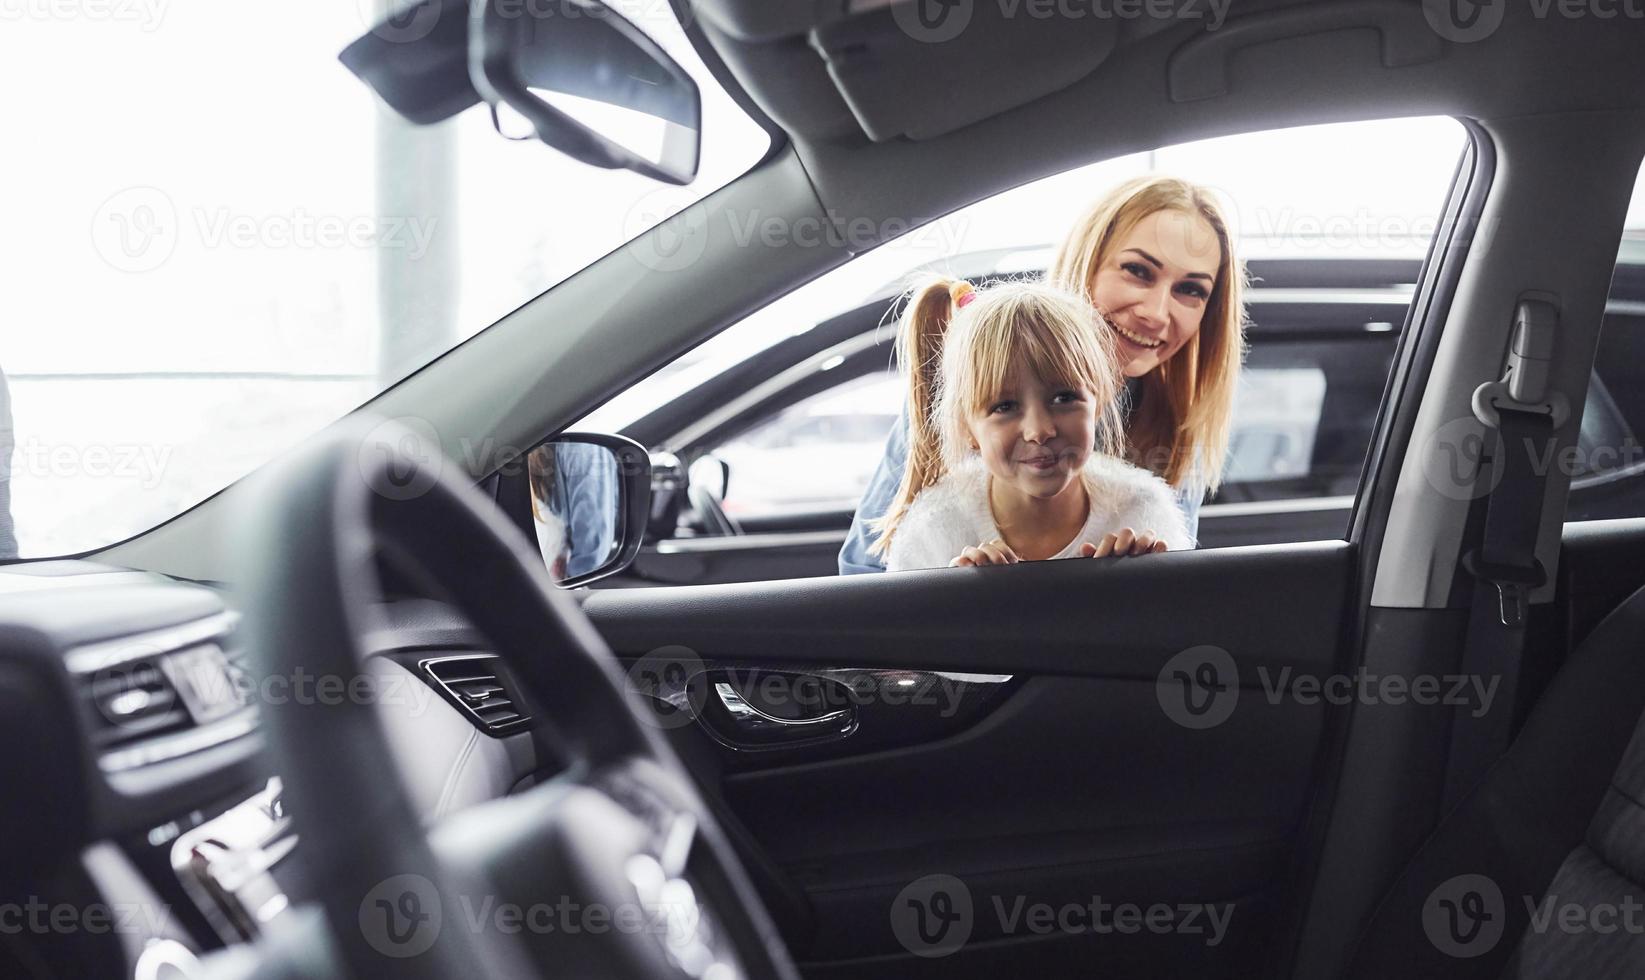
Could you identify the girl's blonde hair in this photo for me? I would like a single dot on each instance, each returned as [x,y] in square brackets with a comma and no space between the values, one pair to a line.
[1181,429]
[959,353]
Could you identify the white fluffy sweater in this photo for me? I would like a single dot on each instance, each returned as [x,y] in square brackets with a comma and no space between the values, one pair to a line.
[953,514]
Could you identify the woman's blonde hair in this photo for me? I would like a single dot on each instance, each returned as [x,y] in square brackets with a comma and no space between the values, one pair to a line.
[1181,429]
[958,354]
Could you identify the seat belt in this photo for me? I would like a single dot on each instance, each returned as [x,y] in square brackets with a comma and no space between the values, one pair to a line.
[1521,418]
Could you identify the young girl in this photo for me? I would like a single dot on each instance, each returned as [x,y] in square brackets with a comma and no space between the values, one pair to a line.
[1010,388]
[1156,259]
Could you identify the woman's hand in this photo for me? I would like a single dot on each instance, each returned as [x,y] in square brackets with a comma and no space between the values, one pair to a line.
[995,552]
[1124,542]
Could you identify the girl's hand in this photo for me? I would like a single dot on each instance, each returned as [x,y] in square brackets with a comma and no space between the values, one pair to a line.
[995,552]
[1124,542]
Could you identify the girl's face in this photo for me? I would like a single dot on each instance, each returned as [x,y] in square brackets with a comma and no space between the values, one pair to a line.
[1153,286]
[1036,437]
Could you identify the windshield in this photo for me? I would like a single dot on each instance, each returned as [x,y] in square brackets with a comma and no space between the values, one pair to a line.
[219,241]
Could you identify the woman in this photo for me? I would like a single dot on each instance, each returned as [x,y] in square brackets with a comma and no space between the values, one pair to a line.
[1156,259]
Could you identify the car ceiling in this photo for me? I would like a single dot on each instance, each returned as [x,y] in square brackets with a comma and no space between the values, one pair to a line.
[892,126]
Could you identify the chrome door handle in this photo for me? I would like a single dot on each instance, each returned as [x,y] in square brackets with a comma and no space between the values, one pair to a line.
[760,727]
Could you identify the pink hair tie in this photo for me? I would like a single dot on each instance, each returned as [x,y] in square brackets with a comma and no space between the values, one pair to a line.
[965,297]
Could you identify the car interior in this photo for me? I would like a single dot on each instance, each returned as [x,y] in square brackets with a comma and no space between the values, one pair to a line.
[341,719]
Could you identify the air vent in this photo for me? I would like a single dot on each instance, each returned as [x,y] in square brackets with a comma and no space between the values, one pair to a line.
[131,701]
[160,695]
[481,687]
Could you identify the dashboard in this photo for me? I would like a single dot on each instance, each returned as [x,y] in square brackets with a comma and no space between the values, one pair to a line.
[145,816]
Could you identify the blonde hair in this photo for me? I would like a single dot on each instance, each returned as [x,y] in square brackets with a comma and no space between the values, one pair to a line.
[958,355]
[1181,429]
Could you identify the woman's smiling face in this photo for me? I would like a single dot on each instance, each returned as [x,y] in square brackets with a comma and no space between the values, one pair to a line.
[1154,285]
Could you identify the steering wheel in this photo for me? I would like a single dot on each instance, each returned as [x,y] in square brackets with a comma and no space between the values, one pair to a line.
[613,869]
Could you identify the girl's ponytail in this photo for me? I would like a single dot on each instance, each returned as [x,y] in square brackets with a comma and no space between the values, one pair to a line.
[925,321]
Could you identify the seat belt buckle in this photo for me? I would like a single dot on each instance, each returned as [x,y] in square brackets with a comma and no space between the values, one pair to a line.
[1513,604]
[1513,584]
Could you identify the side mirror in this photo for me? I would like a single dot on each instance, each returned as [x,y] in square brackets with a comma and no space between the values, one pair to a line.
[590,498]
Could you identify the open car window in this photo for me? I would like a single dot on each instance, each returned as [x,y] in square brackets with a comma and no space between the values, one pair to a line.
[1332,221]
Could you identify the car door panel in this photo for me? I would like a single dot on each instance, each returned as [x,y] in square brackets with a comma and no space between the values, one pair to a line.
[1274,522]
[751,557]
[811,547]
[1076,784]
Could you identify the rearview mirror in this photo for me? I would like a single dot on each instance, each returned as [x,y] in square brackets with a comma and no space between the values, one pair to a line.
[586,81]
[573,73]
[590,495]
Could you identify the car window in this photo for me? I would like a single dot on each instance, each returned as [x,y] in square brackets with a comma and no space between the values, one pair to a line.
[247,244]
[1278,409]
[813,456]
[1608,468]
[1333,237]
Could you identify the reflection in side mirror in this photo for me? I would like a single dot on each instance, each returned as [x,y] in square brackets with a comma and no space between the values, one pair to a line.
[589,499]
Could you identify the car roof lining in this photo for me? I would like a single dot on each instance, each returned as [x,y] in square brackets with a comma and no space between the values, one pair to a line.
[1123,105]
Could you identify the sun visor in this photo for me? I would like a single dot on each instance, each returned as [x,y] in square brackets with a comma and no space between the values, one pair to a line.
[927,67]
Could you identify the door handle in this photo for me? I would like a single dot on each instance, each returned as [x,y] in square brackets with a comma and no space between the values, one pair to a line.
[753,727]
